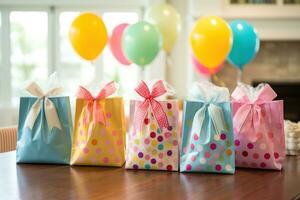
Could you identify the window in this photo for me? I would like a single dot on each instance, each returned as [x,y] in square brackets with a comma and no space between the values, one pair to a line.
[28,34]
[126,76]
[72,69]
[0,40]
[36,44]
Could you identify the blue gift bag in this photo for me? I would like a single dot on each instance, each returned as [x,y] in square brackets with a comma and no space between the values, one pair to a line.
[207,136]
[44,129]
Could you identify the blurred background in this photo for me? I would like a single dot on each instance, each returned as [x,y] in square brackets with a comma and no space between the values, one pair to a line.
[34,43]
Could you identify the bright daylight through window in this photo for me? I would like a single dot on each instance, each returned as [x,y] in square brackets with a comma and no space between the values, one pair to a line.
[37,51]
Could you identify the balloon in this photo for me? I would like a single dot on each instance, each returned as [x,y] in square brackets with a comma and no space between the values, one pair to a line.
[167,20]
[115,44]
[211,41]
[88,35]
[141,43]
[204,70]
[245,43]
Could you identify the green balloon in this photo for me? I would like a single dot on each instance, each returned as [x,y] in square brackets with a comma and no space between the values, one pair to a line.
[141,43]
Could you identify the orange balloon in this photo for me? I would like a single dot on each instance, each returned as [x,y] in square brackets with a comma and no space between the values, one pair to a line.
[88,35]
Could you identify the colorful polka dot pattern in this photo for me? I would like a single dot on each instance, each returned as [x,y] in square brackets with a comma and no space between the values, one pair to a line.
[217,156]
[98,144]
[258,154]
[267,151]
[151,148]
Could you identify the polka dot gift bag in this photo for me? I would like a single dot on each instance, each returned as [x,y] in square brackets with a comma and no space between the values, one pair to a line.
[153,131]
[207,137]
[99,132]
[258,127]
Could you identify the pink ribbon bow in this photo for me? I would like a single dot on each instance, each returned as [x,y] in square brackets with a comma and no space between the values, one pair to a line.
[249,115]
[158,89]
[93,106]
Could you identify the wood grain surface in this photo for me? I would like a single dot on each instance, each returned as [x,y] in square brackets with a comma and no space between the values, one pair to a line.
[26,181]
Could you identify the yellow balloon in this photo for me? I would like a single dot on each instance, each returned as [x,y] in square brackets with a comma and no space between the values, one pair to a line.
[88,35]
[211,41]
[167,20]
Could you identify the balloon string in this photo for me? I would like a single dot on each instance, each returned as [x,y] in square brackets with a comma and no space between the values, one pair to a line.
[93,78]
[239,76]
[142,72]
[168,66]
[218,81]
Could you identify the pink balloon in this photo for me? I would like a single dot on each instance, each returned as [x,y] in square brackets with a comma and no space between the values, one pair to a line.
[115,44]
[204,70]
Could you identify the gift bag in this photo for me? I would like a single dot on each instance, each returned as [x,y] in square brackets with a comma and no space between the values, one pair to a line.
[153,130]
[45,127]
[258,127]
[99,128]
[207,136]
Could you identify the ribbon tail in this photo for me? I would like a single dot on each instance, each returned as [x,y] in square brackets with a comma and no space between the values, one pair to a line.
[256,120]
[98,113]
[245,119]
[217,116]
[51,114]
[33,114]
[140,114]
[197,126]
[240,117]
[85,114]
[159,114]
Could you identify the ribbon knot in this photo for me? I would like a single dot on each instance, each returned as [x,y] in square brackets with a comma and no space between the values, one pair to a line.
[43,100]
[94,105]
[149,98]
[158,89]
[249,114]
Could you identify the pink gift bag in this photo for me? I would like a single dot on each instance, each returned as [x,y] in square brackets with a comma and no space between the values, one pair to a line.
[258,127]
[153,130]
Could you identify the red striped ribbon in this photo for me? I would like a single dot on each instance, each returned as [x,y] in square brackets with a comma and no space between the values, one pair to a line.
[158,89]
[93,106]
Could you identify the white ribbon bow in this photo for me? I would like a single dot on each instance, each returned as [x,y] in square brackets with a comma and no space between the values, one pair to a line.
[43,99]
[210,95]
[215,114]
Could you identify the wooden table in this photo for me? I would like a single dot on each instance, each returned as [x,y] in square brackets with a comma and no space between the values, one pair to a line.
[26,181]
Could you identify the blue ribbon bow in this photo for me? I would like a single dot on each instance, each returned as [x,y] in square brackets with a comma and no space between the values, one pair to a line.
[215,114]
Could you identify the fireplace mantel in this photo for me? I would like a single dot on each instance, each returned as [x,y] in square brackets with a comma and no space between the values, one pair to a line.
[273,22]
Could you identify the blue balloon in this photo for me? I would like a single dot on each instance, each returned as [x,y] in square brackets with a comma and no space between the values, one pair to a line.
[245,43]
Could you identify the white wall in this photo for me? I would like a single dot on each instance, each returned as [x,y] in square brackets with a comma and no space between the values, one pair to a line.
[177,73]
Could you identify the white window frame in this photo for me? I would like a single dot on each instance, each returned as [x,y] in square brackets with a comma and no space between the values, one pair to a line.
[53,9]
[5,76]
